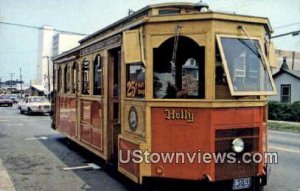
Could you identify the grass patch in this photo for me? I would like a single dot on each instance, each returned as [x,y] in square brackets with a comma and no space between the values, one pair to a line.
[284,126]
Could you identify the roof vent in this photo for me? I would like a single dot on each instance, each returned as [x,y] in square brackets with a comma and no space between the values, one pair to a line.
[202,6]
[284,64]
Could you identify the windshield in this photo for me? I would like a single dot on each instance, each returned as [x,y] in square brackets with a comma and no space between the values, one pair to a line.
[37,99]
[245,66]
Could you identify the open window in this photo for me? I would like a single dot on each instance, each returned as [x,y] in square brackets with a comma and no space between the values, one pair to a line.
[85,78]
[74,77]
[59,79]
[180,73]
[132,46]
[97,77]
[67,78]
[245,66]
[135,81]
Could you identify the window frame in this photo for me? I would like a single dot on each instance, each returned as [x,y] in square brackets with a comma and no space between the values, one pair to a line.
[136,87]
[66,80]
[226,68]
[74,77]
[289,95]
[169,11]
[100,74]
[59,79]
[88,77]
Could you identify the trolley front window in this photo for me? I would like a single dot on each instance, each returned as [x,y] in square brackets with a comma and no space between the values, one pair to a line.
[245,66]
[179,74]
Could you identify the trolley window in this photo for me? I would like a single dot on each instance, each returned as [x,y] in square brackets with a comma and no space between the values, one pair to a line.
[74,77]
[97,75]
[67,78]
[245,66]
[59,79]
[85,78]
[168,11]
[178,73]
[135,81]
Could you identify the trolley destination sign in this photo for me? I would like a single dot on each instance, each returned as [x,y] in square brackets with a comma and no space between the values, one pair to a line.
[101,45]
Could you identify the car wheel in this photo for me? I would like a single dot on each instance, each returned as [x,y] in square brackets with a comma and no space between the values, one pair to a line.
[21,111]
[10,105]
[29,112]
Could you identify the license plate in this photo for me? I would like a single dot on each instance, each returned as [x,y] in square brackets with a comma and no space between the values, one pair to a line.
[241,183]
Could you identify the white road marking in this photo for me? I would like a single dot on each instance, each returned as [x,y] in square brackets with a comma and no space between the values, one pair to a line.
[285,149]
[15,124]
[5,181]
[4,120]
[89,165]
[36,138]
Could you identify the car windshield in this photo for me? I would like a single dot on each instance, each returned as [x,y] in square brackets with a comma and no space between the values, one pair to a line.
[37,99]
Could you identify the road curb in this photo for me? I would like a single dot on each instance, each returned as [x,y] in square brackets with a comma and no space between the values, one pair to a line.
[5,181]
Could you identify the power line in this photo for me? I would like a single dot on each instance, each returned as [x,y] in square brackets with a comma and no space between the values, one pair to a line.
[23,51]
[288,25]
[40,28]
[294,33]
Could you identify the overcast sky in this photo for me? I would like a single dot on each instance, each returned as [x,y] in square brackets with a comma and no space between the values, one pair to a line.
[18,46]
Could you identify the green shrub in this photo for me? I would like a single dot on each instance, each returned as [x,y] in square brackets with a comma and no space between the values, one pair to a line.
[284,111]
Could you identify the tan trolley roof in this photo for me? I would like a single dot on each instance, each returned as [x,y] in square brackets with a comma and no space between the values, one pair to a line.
[144,15]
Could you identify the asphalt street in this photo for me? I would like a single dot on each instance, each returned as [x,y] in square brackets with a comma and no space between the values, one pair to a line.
[35,157]
[285,176]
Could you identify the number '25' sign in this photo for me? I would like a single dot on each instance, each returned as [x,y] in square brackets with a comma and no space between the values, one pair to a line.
[135,89]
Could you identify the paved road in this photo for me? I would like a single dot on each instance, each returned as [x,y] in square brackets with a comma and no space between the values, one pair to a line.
[285,176]
[34,156]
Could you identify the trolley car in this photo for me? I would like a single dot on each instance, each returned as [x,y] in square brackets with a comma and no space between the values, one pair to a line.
[170,78]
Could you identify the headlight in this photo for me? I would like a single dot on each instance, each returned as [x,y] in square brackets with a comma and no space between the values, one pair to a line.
[238,145]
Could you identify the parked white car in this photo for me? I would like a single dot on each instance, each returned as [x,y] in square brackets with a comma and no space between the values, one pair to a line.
[34,104]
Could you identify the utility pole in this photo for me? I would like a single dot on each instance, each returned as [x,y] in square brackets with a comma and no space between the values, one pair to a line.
[293,61]
[21,83]
[48,77]
[11,77]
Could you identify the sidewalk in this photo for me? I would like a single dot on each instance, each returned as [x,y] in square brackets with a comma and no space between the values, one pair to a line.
[287,126]
[5,182]
[285,122]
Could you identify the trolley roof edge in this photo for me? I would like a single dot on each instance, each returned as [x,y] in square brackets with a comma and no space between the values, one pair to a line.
[142,16]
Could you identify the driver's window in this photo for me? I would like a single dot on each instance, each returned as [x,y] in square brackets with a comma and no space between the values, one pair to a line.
[180,73]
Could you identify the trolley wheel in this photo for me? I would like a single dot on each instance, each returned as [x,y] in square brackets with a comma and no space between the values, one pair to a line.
[260,188]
